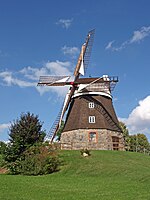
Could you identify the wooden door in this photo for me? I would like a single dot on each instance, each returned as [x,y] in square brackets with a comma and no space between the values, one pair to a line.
[115,141]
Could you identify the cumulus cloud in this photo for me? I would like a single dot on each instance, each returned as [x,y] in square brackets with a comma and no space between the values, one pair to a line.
[64,23]
[9,80]
[137,37]
[139,119]
[32,73]
[3,127]
[71,51]
[58,68]
[29,76]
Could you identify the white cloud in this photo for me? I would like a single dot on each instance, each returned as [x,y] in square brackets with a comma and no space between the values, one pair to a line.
[65,23]
[109,45]
[112,48]
[58,68]
[3,127]
[138,36]
[29,76]
[139,119]
[33,73]
[72,51]
[60,91]
[9,80]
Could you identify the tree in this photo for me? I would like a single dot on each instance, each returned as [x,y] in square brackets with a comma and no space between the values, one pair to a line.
[133,143]
[142,142]
[60,130]
[125,134]
[26,153]
[2,147]
[139,143]
[23,133]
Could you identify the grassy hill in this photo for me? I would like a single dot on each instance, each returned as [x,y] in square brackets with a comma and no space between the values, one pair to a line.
[105,175]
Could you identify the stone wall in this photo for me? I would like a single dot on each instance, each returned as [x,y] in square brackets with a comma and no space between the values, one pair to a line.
[79,139]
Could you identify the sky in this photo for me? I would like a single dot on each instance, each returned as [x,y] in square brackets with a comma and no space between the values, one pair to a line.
[44,37]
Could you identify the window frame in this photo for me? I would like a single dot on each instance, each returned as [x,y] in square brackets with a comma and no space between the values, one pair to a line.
[91,105]
[95,138]
[92,119]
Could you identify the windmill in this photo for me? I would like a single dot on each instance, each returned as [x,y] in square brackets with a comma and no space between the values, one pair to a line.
[90,121]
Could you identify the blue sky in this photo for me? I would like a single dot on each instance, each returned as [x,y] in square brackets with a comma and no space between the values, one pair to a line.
[44,38]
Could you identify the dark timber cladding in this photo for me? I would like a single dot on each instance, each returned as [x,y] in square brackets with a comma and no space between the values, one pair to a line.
[79,112]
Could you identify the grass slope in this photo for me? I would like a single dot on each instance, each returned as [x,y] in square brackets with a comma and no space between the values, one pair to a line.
[105,175]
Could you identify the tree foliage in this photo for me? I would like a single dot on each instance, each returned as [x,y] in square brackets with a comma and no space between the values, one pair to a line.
[26,153]
[38,160]
[23,133]
[2,147]
[125,135]
[139,143]
[60,130]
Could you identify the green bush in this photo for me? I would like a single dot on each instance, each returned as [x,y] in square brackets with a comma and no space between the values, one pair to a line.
[37,160]
[51,165]
[1,161]
[14,167]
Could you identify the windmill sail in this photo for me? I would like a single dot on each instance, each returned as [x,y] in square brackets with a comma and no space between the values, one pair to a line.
[62,112]
[81,69]
[53,80]
[88,50]
[85,54]
[56,125]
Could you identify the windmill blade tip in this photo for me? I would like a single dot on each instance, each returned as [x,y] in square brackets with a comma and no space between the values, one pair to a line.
[92,31]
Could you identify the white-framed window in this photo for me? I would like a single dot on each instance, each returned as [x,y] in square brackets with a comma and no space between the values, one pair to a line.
[92,119]
[91,104]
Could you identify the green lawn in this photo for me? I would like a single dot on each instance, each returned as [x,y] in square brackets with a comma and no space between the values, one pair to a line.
[105,175]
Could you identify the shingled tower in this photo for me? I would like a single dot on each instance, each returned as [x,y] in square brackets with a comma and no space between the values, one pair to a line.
[91,121]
